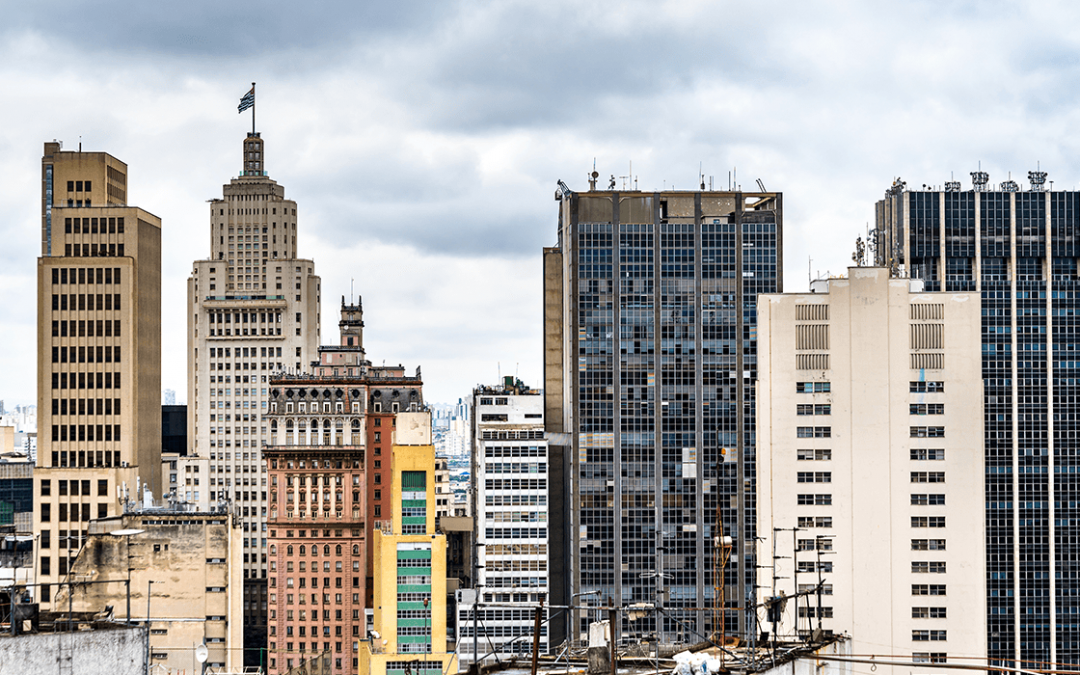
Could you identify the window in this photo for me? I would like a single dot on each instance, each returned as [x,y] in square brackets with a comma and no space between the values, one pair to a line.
[812,387]
[927,544]
[815,500]
[928,635]
[929,657]
[928,613]
[927,476]
[814,454]
[927,408]
[815,477]
[926,387]
[928,589]
[931,521]
[928,432]
[928,567]
[927,499]
[814,432]
[921,454]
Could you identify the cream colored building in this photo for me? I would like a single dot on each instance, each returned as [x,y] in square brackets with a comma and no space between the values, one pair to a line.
[870,465]
[99,352]
[192,559]
[253,310]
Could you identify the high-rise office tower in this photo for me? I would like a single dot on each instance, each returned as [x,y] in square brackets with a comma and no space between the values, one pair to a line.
[253,310]
[1018,249]
[511,512]
[650,363]
[870,466]
[99,352]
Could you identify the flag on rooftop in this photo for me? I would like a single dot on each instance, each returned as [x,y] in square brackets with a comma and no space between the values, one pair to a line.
[247,101]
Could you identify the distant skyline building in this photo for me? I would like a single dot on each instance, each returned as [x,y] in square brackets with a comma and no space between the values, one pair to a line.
[168,397]
[870,466]
[510,484]
[253,310]
[99,353]
[649,357]
[1018,249]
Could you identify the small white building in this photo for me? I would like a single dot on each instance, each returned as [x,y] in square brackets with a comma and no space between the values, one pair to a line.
[870,465]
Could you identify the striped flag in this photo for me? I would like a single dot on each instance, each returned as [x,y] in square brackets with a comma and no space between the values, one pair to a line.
[247,101]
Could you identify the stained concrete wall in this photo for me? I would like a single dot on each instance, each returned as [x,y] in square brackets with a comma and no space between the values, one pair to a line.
[113,651]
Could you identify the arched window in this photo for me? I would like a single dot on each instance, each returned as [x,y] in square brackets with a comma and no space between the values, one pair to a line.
[303,550]
[337,550]
[326,549]
[356,549]
[289,550]
[273,550]
[314,549]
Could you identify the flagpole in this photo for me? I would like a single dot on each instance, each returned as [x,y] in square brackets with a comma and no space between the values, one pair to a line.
[252,108]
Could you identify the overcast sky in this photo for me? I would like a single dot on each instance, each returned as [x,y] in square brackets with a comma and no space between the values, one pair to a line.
[423,141]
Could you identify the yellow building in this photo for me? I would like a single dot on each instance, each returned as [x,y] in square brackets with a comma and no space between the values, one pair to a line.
[99,353]
[410,566]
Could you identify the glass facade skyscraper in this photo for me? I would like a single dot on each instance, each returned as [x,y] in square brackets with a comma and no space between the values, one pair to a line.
[1019,250]
[650,362]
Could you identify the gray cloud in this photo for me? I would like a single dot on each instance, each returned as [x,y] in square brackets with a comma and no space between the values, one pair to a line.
[423,140]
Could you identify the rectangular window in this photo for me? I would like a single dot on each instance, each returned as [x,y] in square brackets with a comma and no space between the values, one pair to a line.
[927,408]
[927,476]
[928,432]
[814,454]
[926,387]
[814,432]
[922,454]
[815,477]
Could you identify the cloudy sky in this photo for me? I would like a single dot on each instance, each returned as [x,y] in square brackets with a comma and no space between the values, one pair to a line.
[423,140]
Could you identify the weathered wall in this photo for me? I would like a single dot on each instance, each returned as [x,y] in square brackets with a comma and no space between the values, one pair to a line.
[120,651]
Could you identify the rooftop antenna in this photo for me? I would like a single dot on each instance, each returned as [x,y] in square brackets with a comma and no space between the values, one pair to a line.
[979,179]
[593,176]
[352,282]
[701,176]
[761,185]
[80,143]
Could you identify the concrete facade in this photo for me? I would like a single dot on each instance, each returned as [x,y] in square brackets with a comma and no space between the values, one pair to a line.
[99,352]
[193,561]
[253,310]
[870,465]
[105,650]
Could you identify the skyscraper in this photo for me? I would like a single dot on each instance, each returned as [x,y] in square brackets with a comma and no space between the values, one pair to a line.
[1018,250]
[871,467]
[253,310]
[650,362]
[99,352]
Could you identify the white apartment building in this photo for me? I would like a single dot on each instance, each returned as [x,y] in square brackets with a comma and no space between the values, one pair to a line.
[870,465]
[253,310]
[510,479]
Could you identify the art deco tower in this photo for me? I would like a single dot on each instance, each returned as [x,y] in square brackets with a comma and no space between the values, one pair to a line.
[253,310]
[99,352]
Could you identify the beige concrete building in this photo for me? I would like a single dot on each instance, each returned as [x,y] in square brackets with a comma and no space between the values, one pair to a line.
[870,465]
[186,581]
[99,351]
[253,310]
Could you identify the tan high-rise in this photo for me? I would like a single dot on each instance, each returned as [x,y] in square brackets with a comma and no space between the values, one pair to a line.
[99,353]
[253,310]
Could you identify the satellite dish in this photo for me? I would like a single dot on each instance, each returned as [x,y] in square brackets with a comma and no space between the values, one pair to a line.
[201,653]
